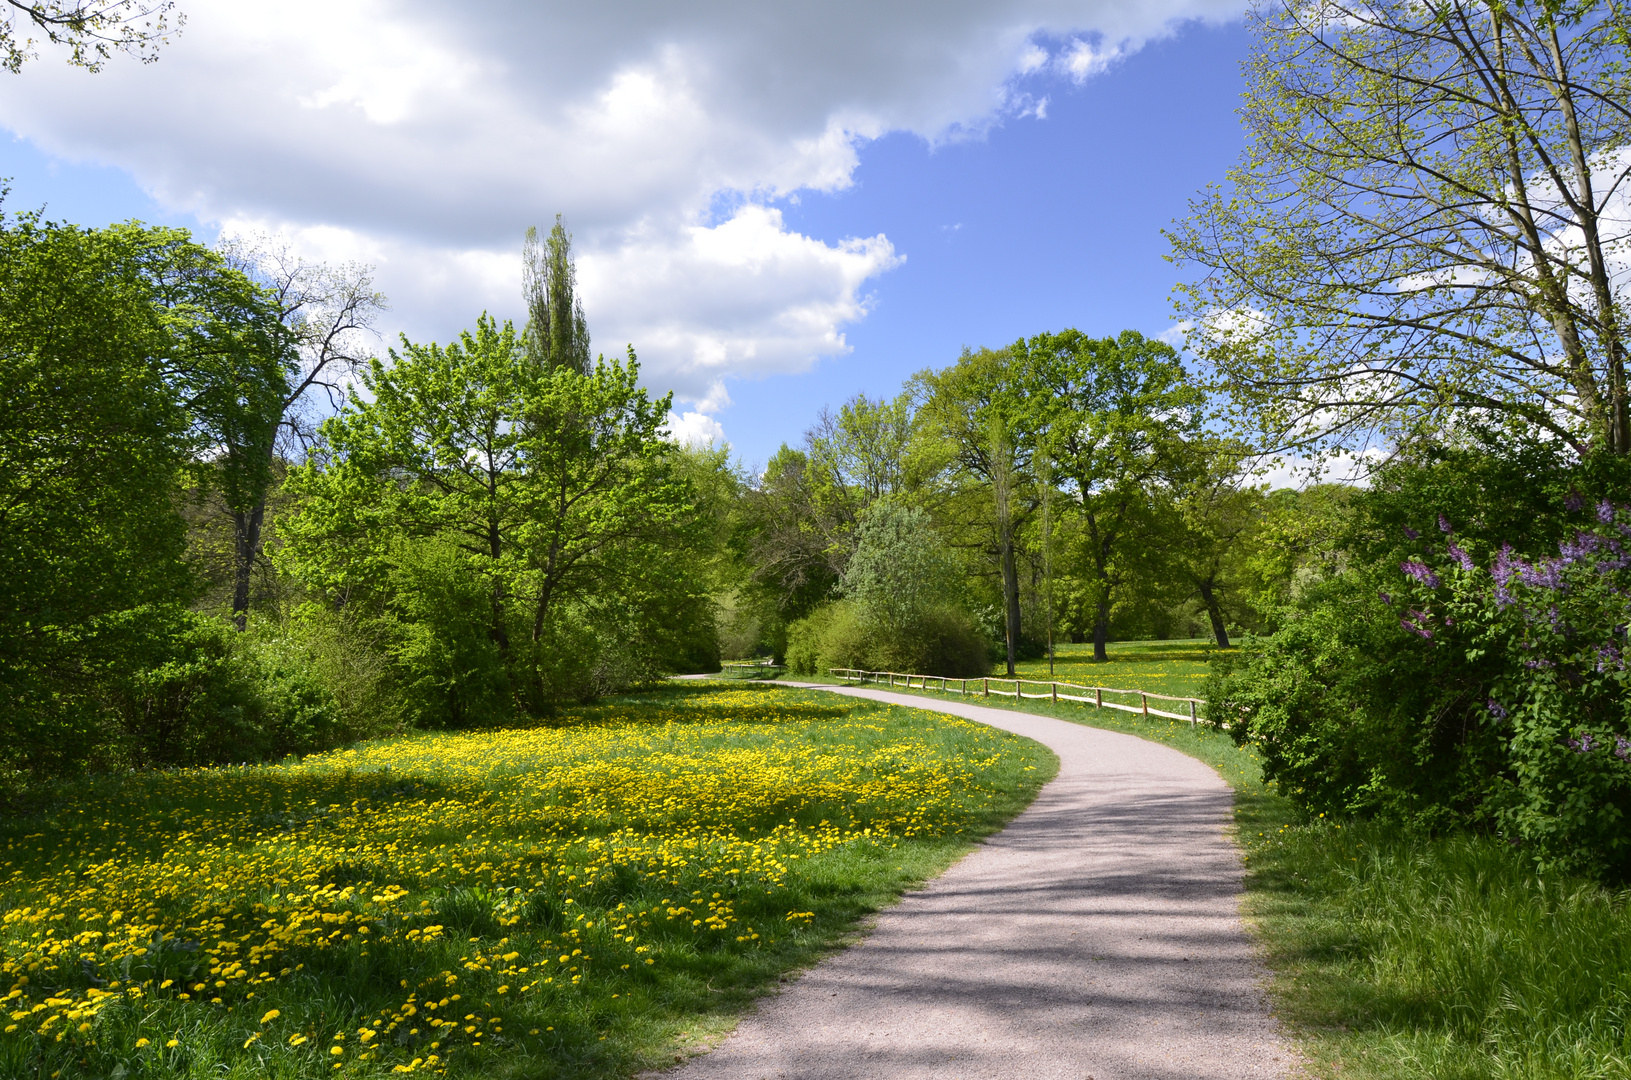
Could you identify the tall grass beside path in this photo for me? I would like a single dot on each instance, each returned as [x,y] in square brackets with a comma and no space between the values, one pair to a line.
[1398,957]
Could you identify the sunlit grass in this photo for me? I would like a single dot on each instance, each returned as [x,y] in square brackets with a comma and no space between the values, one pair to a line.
[1164,667]
[584,900]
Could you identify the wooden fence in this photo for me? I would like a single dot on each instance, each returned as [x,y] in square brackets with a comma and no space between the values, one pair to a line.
[766,664]
[1054,691]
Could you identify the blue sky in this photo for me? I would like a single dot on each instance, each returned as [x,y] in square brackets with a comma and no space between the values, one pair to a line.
[1036,224]
[1041,225]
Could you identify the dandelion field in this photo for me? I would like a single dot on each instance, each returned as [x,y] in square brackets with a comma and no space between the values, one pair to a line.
[586,899]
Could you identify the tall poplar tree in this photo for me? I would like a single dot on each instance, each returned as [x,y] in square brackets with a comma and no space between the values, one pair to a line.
[556,334]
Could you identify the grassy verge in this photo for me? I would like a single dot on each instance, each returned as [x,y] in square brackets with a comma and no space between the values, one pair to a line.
[1413,958]
[584,900]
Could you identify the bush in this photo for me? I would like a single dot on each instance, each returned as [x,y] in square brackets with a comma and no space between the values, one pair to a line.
[1460,684]
[942,641]
[1350,717]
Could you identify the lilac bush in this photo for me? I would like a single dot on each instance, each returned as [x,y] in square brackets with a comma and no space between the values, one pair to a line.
[1557,628]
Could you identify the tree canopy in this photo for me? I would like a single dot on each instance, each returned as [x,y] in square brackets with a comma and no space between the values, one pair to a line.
[1427,229]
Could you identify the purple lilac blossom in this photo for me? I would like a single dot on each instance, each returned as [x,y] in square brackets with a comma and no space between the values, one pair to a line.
[1622,748]
[1419,570]
[1583,544]
[1460,556]
[1608,656]
[1546,574]
[1585,744]
[1496,710]
[1605,511]
[1410,534]
[1444,524]
[1416,623]
[1386,599]
[1574,503]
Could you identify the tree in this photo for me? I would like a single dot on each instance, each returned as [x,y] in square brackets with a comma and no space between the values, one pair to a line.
[326,314]
[1214,513]
[864,450]
[797,523]
[899,571]
[1427,224]
[556,334]
[93,30]
[978,408]
[469,475]
[93,441]
[1115,413]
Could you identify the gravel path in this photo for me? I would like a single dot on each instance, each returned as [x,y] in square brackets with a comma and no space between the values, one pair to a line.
[1097,936]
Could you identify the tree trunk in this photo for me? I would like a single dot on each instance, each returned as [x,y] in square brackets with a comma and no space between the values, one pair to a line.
[1101,631]
[246,546]
[1215,613]
[1010,596]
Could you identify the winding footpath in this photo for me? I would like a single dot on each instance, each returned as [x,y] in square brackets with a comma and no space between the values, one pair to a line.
[1097,937]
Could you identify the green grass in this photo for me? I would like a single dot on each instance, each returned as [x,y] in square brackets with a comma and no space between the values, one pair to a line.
[1399,957]
[1176,667]
[545,890]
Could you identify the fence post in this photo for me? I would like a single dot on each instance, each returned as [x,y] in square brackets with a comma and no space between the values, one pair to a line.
[1055,692]
[1192,712]
[965,688]
[985,687]
[1098,698]
[1145,700]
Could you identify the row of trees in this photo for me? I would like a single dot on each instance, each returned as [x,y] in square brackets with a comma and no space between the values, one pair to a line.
[1063,486]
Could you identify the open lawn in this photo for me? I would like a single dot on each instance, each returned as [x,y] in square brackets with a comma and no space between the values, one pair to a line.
[1165,667]
[586,899]
[1400,957]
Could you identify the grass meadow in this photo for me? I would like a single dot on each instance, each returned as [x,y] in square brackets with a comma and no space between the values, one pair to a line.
[1400,957]
[587,899]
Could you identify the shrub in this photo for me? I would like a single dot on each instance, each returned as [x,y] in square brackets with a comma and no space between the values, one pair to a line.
[941,641]
[1456,686]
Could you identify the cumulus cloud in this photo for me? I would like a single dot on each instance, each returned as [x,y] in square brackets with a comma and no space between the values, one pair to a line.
[424,137]
[696,429]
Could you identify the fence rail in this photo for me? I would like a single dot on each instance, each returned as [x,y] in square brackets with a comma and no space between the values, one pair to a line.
[983,688]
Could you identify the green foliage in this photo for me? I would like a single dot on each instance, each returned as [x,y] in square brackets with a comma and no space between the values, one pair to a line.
[1438,679]
[1350,717]
[943,641]
[899,569]
[1413,239]
[127,354]
[520,530]
[1118,416]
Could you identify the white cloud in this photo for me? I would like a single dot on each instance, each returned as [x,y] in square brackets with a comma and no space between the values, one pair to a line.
[696,429]
[1337,468]
[424,137]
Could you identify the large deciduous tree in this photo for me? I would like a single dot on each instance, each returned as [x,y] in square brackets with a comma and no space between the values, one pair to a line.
[471,480]
[325,315]
[1429,226]
[129,356]
[1115,414]
[987,424]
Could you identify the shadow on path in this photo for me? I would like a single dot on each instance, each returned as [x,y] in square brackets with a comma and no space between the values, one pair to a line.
[1097,936]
